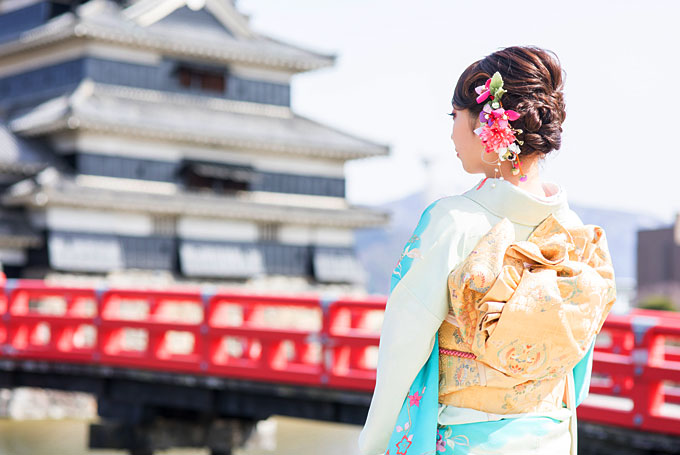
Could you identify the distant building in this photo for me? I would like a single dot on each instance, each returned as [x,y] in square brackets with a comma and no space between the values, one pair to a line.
[658,266]
[153,138]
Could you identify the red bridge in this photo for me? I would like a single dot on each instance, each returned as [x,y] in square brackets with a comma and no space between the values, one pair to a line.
[224,360]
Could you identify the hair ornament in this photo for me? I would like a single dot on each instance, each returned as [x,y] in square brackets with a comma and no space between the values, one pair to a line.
[495,130]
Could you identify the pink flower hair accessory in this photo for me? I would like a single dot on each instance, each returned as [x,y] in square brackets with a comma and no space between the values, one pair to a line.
[495,131]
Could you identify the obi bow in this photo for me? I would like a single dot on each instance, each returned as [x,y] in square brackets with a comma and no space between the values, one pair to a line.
[524,312]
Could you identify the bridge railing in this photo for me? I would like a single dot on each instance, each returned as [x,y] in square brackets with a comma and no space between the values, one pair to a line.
[637,360]
[303,339]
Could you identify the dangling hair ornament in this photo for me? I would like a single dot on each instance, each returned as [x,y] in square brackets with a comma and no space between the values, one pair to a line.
[495,132]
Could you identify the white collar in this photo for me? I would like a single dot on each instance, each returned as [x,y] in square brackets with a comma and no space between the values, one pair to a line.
[518,205]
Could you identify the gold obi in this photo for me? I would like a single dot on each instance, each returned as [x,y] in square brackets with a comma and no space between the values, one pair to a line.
[529,311]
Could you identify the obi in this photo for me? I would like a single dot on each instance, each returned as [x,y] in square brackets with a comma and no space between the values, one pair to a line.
[521,316]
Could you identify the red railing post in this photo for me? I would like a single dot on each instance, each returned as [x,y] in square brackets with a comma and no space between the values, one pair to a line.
[647,393]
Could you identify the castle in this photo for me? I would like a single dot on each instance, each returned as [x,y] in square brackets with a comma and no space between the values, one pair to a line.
[153,141]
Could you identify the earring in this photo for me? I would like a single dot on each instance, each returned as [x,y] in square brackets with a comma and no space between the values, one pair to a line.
[496,170]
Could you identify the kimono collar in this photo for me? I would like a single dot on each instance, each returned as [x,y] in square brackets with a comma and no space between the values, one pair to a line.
[518,205]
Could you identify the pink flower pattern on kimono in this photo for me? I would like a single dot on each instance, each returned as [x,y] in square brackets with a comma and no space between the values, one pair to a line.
[446,439]
[414,400]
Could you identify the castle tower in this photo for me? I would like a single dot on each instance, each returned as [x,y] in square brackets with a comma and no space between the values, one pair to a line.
[155,138]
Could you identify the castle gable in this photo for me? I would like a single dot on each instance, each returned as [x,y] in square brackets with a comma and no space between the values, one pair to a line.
[214,17]
[185,18]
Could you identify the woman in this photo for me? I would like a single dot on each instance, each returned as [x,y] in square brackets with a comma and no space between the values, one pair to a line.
[446,380]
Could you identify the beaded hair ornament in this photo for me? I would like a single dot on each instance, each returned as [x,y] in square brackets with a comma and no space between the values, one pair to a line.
[495,130]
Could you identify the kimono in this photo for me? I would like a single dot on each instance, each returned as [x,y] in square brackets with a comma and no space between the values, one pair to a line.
[405,416]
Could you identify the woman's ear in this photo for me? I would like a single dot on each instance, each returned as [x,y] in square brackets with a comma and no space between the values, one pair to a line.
[473,119]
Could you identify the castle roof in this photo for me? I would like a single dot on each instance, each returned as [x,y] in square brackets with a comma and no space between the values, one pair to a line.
[189,118]
[20,157]
[170,28]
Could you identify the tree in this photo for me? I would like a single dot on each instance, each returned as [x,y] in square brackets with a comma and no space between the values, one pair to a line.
[657,302]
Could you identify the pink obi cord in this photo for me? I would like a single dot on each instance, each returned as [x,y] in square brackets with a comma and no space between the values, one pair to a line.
[467,355]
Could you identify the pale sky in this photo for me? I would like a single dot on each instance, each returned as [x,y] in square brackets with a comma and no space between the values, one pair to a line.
[398,62]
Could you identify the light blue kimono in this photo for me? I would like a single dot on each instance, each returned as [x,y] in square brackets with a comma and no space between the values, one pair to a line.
[417,431]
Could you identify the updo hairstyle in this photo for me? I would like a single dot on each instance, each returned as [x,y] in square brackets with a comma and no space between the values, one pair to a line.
[533,79]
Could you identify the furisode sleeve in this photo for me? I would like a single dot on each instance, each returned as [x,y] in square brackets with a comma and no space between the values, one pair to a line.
[415,308]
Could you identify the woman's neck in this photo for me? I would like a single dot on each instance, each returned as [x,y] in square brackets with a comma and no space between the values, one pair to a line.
[533,183]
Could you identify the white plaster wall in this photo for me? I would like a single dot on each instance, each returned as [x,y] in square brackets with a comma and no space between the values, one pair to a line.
[309,235]
[333,236]
[99,221]
[124,184]
[203,228]
[295,234]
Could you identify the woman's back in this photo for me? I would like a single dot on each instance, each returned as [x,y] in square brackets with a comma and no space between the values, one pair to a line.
[448,230]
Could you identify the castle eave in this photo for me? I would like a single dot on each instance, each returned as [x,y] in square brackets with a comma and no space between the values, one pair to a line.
[70,194]
[94,108]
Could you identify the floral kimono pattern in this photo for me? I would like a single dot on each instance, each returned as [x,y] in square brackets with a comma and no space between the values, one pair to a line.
[415,432]
[416,429]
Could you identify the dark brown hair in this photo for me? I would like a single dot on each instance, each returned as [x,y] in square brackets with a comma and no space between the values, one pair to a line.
[533,79]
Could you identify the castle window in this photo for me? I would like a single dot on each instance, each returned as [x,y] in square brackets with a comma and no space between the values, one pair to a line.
[201,79]
[217,177]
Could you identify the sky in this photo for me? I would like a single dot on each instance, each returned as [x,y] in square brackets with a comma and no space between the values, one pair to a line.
[397,63]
